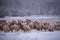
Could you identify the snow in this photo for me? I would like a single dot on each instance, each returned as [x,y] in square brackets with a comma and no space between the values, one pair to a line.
[31,35]
[32,17]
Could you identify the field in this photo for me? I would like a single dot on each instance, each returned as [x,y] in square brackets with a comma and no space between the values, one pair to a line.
[32,35]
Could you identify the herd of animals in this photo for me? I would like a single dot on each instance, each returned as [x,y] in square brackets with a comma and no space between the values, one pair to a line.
[27,26]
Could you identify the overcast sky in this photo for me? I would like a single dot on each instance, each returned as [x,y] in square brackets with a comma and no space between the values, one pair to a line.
[29,7]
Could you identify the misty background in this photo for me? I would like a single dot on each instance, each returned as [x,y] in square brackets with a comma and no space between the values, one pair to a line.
[29,7]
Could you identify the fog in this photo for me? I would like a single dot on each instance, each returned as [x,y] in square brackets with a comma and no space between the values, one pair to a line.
[29,7]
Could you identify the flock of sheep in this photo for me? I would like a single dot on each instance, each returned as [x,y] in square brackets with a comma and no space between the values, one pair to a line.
[27,25]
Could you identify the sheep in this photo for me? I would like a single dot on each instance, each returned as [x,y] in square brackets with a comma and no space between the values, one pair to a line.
[31,24]
[6,28]
[51,28]
[45,26]
[37,25]
[28,21]
[1,26]
[57,26]
[26,28]
[14,27]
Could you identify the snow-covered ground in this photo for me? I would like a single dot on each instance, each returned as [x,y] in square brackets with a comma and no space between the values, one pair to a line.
[32,17]
[32,35]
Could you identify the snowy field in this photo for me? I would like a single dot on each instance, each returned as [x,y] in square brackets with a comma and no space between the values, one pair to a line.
[33,34]
[33,17]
